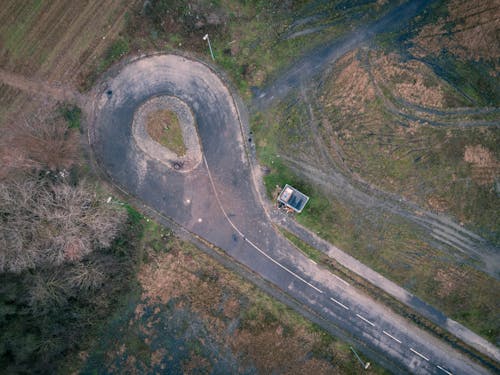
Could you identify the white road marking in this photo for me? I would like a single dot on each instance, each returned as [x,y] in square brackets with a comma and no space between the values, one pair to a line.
[280,265]
[366,320]
[331,273]
[392,337]
[339,278]
[442,369]
[339,303]
[246,239]
[419,354]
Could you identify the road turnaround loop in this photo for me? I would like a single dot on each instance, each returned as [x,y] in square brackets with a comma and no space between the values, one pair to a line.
[216,201]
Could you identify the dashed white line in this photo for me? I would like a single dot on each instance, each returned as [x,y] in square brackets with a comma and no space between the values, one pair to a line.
[250,242]
[337,277]
[282,266]
[419,354]
[341,279]
[392,337]
[339,303]
[444,370]
[366,320]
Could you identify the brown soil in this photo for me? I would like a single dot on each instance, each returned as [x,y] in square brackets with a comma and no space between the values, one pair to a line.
[380,144]
[451,281]
[351,90]
[51,48]
[273,351]
[437,204]
[408,80]
[474,35]
[485,167]
[51,43]
[42,89]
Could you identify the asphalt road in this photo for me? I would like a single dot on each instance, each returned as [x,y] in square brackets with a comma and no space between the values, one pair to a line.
[217,201]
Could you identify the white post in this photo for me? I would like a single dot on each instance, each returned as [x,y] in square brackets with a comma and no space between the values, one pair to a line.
[365,365]
[209,46]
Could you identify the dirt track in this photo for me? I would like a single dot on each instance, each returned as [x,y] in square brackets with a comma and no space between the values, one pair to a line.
[42,88]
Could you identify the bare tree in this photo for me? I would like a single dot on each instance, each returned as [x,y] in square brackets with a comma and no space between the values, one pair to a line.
[86,276]
[50,223]
[46,292]
[37,143]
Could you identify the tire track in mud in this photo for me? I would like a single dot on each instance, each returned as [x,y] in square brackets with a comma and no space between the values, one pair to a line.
[440,231]
[406,110]
[308,67]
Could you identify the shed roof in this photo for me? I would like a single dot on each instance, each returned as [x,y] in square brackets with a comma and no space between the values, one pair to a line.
[293,198]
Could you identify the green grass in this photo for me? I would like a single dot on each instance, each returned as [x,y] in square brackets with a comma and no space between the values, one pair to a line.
[157,237]
[72,114]
[164,127]
[308,250]
[134,216]
[117,50]
[250,44]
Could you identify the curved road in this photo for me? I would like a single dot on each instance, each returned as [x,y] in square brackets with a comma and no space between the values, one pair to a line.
[217,201]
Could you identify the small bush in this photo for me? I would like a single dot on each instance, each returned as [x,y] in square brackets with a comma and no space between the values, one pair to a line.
[115,52]
[72,114]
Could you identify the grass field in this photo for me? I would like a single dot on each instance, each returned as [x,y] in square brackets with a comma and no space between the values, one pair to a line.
[450,170]
[394,249]
[251,41]
[396,115]
[58,41]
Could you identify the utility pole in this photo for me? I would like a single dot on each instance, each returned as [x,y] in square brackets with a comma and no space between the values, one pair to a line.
[209,46]
[365,365]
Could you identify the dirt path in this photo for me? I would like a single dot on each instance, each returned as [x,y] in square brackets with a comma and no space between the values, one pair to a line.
[309,66]
[43,89]
[452,117]
[459,241]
